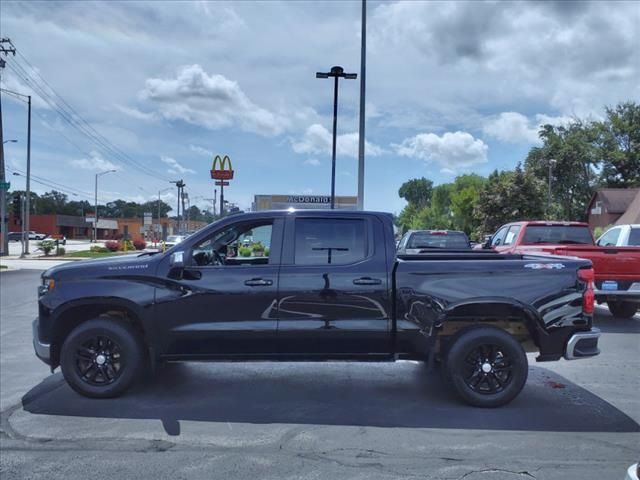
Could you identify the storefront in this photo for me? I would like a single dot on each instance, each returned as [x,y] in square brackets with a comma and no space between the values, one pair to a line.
[302,202]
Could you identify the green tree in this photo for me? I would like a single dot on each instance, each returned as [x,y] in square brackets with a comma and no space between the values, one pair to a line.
[464,199]
[618,146]
[509,196]
[417,191]
[572,154]
[52,202]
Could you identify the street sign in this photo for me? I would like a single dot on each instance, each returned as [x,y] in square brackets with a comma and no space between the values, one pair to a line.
[147,218]
[90,219]
[221,183]
[219,169]
[5,185]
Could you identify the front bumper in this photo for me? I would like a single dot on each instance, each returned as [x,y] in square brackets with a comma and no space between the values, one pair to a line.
[583,345]
[43,350]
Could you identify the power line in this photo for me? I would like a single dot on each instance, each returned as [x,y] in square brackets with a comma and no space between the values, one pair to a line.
[73,118]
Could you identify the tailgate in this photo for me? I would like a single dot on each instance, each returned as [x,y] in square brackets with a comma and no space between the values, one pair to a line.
[609,263]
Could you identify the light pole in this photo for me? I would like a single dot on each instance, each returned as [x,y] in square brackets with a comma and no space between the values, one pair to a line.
[363,78]
[95,218]
[552,163]
[336,73]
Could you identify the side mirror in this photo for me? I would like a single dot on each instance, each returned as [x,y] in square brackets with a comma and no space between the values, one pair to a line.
[487,242]
[176,265]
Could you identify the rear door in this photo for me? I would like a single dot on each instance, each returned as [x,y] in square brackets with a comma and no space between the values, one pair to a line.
[333,296]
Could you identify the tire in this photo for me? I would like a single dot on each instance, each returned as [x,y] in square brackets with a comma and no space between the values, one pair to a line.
[623,309]
[101,358]
[486,367]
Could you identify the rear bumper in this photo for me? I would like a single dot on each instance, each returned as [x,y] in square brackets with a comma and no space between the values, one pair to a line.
[43,350]
[583,345]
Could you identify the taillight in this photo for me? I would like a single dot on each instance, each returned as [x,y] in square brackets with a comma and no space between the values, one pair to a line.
[588,297]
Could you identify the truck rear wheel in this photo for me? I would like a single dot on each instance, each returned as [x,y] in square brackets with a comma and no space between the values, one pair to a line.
[623,309]
[102,357]
[486,367]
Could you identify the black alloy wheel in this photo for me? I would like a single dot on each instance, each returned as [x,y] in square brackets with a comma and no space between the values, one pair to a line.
[486,366]
[102,357]
[99,360]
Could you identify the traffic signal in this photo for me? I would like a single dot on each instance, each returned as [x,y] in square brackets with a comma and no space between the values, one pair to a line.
[17,207]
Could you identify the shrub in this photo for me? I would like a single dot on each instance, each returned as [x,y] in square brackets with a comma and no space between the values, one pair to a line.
[98,248]
[47,246]
[245,252]
[126,245]
[112,246]
[139,244]
[257,247]
[266,252]
[61,251]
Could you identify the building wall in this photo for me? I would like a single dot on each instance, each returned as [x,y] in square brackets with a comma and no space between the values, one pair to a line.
[37,223]
[598,214]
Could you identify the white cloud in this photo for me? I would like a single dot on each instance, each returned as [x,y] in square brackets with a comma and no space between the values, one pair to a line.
[452,151]
[318,140]
[314,162]
[201,150]
[95,162]
[174,166]
[211,101]
[137,114]
[513,127]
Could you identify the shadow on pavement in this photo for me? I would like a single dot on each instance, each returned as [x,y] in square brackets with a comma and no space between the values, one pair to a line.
[357,394]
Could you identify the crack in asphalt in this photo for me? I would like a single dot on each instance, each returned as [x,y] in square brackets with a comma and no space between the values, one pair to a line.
[497,470]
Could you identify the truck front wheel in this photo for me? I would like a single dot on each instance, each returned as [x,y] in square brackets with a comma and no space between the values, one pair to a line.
[102,357]
[623,309]
[486,367]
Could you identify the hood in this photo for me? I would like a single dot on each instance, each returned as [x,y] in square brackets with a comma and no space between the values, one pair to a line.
[116,265]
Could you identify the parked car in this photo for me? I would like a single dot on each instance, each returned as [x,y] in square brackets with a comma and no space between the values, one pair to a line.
[620,236]
[417,241]
[173,240]
[332,288]
[14,236]
[62,240]
[617,269]
[37,236]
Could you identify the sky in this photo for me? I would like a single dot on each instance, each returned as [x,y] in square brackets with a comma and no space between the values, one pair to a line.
[160,87]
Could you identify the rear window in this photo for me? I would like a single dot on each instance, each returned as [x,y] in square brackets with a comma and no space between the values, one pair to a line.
[557,234]
[438,240]
[634,237]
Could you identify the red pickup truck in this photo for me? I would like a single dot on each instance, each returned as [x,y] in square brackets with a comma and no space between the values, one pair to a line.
[617,269]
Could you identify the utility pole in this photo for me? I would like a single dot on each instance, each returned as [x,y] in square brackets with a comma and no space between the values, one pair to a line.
[27,202]
[95,218]
[185,211]
[180,184]
[363,74]
[4,228]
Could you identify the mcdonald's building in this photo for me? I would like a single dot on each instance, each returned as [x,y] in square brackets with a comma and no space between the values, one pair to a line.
[302,202]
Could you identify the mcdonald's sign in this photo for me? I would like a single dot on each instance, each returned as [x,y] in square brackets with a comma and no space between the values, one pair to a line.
[222,169]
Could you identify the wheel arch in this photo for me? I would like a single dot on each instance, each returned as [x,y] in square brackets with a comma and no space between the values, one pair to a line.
[75,313]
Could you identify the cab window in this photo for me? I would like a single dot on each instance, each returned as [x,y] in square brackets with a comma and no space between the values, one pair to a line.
[498,238]
[240,244]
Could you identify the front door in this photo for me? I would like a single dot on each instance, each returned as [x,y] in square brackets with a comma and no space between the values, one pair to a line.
[333,296]
[225,303]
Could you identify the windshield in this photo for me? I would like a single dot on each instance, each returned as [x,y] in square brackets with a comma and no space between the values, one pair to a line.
[557,234]
[438,240]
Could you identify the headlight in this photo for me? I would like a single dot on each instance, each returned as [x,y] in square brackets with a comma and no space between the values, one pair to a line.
[48,284]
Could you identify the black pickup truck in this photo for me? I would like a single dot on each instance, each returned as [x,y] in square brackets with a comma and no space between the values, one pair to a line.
[314,285]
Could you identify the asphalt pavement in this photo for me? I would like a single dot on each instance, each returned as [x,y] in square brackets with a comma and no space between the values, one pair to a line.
[574,420]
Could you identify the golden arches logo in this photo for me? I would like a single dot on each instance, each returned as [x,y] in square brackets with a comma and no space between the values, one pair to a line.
[220,170]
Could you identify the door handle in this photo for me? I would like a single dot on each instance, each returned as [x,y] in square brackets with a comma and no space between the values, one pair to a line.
[367,281]
[258,282]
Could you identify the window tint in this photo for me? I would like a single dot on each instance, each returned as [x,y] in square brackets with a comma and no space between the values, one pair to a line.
[557,234]
[441,239]
[610,238]
[634,237]
[243,244]
[498,237]
[323,241]
[512,234]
